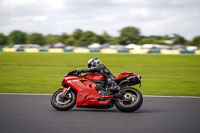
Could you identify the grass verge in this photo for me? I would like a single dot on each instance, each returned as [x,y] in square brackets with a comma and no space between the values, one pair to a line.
[175,75]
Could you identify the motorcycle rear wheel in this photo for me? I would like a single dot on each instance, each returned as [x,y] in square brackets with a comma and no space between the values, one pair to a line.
[131,101]
[63,104]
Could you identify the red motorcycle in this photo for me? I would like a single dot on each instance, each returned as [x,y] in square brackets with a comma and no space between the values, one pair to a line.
[89,91]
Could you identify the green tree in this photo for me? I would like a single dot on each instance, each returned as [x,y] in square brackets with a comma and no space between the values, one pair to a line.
[63,37]
[129,35]
[154,40]
[70,41]
[100,39]
[196,41]
[3,39]
[17,37]
[35,38]
[51,39]
[77,34]
[88,38]
[106,38]
[146,40]
[166,37]
[179,39]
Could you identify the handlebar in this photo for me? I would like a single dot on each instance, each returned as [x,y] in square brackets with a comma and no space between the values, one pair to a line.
[74,73]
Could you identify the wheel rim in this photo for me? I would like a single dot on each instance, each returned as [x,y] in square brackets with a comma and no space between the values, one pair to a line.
[129,99]
[65,101]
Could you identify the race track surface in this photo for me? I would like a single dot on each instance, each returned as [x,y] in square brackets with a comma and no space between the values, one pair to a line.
[34,114]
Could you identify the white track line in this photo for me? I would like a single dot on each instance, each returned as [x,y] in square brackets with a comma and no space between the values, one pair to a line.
[172,96]
[25,94]
[144,95]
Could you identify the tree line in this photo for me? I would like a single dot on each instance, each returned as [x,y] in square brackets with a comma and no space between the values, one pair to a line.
[83,38]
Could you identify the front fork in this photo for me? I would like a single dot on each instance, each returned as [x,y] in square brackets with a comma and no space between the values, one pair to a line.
[65,91]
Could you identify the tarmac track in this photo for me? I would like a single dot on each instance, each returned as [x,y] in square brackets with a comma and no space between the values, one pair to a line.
[34,114]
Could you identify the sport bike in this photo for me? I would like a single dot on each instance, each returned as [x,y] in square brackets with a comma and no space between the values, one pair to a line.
[89,91]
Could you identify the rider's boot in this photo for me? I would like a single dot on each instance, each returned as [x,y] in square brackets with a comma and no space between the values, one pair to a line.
[116,92]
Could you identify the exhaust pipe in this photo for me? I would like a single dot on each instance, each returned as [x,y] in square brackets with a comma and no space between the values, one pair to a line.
[133,80]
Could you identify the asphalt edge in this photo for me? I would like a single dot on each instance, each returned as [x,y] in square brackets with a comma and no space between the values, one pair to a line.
[143,95]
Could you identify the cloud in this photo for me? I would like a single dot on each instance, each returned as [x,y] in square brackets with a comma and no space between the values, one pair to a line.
[140,13]
[156,17]
[135,2]
[29,18]
[15,3]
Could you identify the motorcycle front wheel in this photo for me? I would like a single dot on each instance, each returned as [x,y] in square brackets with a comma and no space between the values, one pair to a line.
[63,104]
[131,101]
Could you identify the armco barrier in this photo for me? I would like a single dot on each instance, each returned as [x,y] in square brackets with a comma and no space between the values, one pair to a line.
[20,50]
[81,50]
[43,50]
[123,51]
[9,50]
[103,51]
[55,50]
[170,52]
[68,50]
[94,51]
[143,51]
[186,52]
[108,51]
[154,51]
[197,52]
[31,50]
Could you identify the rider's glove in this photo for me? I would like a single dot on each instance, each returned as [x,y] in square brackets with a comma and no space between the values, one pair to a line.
[79,71]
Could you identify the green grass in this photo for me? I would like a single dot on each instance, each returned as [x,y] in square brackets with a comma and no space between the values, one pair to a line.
[43,72]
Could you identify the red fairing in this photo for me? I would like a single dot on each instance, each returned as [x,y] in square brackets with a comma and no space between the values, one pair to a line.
[87,95]
[97,76]
[86,92]
[94,76]
[124,75]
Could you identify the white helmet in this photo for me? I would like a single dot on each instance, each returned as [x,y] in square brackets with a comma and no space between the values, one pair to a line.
[93,62]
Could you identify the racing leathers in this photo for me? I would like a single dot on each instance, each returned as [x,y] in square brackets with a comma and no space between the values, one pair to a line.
[111,85]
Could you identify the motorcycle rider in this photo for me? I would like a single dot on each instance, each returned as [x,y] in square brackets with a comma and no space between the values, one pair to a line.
[94,65]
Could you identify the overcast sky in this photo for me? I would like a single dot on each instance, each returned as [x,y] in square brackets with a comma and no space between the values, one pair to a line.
[152,17]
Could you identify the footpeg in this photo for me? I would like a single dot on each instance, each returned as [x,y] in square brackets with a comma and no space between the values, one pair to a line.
[118,96]
[104,98]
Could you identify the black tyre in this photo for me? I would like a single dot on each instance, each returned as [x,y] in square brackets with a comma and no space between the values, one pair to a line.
[63,104]
[131,101]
